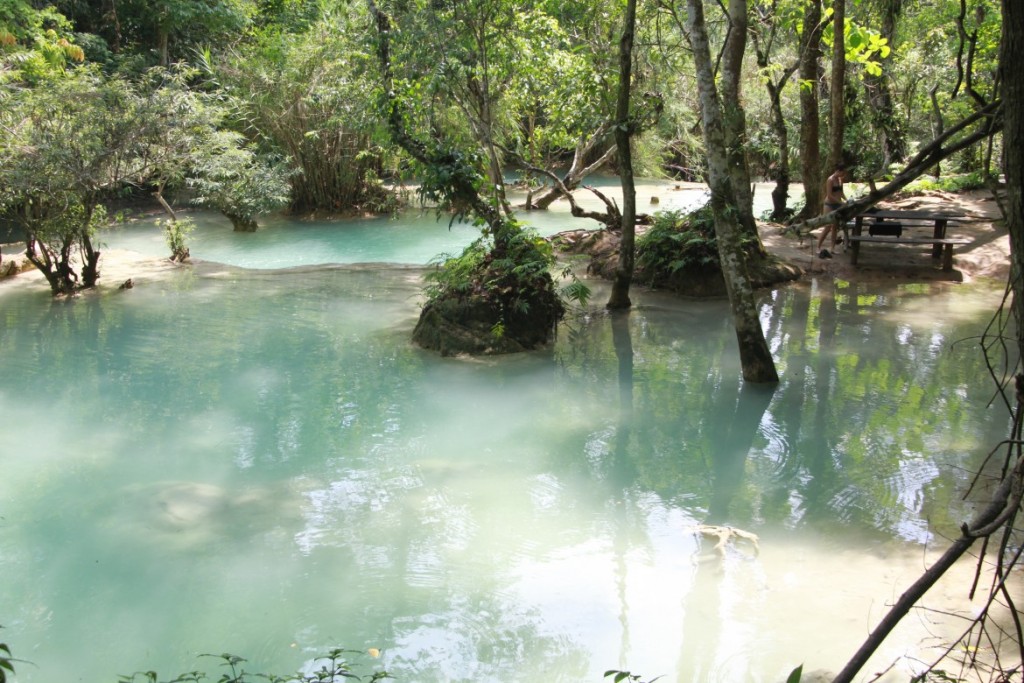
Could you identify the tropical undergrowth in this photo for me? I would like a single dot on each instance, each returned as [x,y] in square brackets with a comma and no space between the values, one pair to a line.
[679,252]
[677,241]
[504,298]
[949,183]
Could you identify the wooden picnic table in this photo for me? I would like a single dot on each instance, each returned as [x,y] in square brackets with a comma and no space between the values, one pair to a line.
[941,244]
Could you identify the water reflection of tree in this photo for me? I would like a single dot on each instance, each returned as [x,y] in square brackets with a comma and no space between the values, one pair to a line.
[867,406]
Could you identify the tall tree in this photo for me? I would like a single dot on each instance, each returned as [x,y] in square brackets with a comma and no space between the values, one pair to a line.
[307,96]
[755,356]
[1011,57]
[623,132]
[810,123]
[498,296]
[880,93]
[734,118]
[837,120]
[775,77]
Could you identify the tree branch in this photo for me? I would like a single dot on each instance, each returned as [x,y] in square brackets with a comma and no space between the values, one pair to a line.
[931,154]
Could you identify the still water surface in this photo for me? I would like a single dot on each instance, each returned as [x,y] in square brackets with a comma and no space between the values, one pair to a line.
[257,462]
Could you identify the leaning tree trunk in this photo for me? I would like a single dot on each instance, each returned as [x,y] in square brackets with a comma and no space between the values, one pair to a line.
[579,169]
[810,124]
[755,357]
[623,131]
[979,126]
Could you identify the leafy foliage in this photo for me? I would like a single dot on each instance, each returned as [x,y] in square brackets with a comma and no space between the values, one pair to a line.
[87,138]
[335,666]
[949,183]
[36,45]
[176,232]
[230,177]
[619,676]
[6,666]
[478,271]
[676,241]
[307,98]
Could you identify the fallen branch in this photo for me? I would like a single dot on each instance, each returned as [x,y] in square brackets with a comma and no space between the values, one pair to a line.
[933,153]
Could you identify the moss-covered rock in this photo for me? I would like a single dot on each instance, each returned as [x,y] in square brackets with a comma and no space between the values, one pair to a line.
[478,325]
[490,301]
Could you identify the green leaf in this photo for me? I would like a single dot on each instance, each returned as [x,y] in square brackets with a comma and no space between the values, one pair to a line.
[795,674]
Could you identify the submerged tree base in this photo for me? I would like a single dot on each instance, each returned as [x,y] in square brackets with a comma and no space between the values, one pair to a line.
[478,325]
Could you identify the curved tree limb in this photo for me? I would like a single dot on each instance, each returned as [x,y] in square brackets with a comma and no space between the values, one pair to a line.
[991,118]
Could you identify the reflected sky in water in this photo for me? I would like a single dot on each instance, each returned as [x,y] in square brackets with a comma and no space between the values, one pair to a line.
[260,463]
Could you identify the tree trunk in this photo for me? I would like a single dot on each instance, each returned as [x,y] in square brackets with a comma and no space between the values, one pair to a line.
[579,168]
[762,47]
[619,297]
[161,46]
[810,125]
[938,126]
[1011,56]
[243,223]
[735,126]
[780,195]
[880,96]
[837,124]
[90,263]
[755,357]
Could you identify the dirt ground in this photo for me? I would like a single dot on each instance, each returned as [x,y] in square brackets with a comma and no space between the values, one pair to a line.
[987,256]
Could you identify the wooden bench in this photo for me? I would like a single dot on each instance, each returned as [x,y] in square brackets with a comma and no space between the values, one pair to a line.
[944,243]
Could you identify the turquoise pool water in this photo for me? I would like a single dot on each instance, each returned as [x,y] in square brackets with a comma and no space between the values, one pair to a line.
[258,462]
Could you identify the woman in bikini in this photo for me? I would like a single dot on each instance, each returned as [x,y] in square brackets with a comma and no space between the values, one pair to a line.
[834,198]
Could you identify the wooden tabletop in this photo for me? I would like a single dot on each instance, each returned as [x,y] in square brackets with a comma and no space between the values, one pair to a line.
[911,215]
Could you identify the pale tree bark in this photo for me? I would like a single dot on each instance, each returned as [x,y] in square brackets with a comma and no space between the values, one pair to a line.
[755,357]
[735,124]
[579,169]
[619,297]
[810,122]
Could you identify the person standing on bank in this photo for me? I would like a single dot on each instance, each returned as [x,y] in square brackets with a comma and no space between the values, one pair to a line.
[834,198]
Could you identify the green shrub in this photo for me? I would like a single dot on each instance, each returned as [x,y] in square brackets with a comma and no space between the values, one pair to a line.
[522,267]
[677,240]
[176,232]
[949,183]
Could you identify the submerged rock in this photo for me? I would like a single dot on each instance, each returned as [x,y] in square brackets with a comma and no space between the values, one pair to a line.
[476,325]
